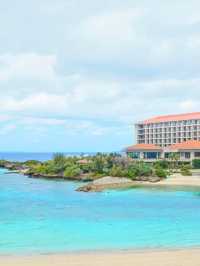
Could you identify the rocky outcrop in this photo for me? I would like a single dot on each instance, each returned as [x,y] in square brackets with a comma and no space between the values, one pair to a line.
[107,183]
[116,183]
[151,179]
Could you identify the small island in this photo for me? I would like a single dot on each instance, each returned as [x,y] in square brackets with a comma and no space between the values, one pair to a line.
[109,171]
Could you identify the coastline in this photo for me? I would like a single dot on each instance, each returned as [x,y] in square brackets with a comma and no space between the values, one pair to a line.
[176,180]
[152,257]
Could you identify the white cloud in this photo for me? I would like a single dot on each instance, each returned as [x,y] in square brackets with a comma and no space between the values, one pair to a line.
[115,62]
[189,105]
[27,66]
[6,129]
[122,101]
[140,35]
[34,103]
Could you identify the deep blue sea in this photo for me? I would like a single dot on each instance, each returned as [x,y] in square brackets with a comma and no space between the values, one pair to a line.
[38,215]
[40,156]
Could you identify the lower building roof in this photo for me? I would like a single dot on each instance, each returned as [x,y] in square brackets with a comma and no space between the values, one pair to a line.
[143,147]
[186,145]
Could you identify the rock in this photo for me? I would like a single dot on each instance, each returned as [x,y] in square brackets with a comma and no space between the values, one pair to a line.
[107,182]
[151,179]
[154,179]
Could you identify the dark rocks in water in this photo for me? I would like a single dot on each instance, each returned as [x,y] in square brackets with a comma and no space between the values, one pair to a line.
[151,179]
[87,188]
[116,183]
[155,179]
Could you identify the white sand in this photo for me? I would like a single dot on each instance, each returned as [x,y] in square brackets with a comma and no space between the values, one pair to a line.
[179,180]
[190,257]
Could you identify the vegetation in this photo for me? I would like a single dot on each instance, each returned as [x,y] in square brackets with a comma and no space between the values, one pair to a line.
[98,166]
[186,170]
[92,167]
[174,162]
[72,171]
[164,164]
[196,163]
[160,172]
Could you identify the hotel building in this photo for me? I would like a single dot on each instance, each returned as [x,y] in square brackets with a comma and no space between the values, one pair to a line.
[157,137]
[167,130]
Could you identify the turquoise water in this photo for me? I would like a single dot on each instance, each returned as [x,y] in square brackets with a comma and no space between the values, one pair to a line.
[38,215]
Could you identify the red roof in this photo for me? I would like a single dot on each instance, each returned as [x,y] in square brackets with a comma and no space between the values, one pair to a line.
[186,145]
[145,147]
[167,118]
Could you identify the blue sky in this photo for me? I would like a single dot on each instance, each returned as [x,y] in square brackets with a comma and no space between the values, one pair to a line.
[76,75]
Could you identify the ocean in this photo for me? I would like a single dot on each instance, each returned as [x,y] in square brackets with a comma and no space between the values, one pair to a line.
[40,156]
[48,216]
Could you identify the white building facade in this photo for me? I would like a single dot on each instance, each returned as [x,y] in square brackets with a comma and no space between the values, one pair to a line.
[158,137]
[167,130]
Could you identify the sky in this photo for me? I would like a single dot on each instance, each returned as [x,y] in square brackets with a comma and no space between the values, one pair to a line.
[76,75]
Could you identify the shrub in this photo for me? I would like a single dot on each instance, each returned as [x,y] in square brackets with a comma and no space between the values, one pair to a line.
[143,169]
[59,162]
[86,168]
[32,163]
[196,163]
[117,171]
[46,168]
[98,164]
[132,172]
[162,164]
[96,175]
[72,171]
[186,170]
[160,172]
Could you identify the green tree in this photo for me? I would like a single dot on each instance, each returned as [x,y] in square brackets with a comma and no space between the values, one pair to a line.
[174,159]
[196,163]
[72,171]
[186,170]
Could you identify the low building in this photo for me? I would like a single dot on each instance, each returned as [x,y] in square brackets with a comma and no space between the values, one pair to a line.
[186,151]
[144,152]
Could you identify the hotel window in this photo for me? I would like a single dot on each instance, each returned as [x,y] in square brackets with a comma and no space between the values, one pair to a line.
[187,155]
[134,155]
[197,154]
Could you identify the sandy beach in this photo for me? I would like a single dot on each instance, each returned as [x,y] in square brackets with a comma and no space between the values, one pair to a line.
[185,257]
[108,182]
[179,180]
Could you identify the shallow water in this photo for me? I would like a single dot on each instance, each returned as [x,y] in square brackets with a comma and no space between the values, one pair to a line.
[38,215]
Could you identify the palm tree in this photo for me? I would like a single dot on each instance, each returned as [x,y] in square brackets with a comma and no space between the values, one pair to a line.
[174,158]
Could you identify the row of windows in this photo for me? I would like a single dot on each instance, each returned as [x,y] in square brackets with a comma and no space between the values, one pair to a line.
[170,135]
[185,128]
[172,123]
[155,155]
[166,141]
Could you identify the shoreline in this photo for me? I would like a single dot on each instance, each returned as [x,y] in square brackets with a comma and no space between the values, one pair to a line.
[116,183]
[142,257]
